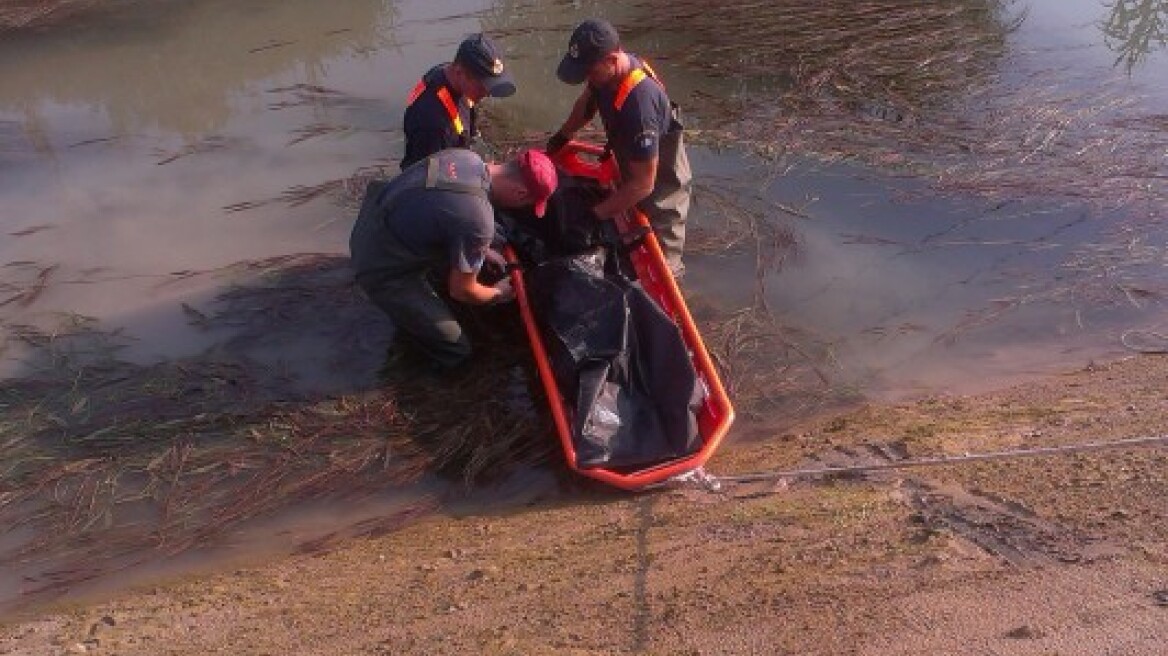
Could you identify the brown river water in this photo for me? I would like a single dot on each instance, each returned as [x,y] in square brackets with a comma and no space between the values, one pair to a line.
[150,151]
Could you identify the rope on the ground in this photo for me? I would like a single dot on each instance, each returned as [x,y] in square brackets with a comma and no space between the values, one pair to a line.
[713,482]
[1126,340]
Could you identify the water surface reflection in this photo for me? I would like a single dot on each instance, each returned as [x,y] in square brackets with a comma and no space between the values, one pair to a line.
[1135,29]
[155,157]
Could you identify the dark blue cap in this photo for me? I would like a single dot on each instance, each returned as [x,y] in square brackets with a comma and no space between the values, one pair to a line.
[592,40]
[483,59]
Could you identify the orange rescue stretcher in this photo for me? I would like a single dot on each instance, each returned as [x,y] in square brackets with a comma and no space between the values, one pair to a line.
[715,414]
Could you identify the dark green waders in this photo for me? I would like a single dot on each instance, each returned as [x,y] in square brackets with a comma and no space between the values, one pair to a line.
[668,205]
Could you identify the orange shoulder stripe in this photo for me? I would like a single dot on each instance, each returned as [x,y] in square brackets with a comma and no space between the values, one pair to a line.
[419,89]
[626,87]
[451,109]
[445,98]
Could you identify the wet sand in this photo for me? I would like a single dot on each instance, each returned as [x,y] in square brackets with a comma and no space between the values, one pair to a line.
[1052,555]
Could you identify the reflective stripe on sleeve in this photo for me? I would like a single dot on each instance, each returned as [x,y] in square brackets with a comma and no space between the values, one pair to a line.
[419,89]
[447,101]
[451,109]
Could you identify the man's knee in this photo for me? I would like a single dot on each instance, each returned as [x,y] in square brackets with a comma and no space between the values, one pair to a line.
[425,322]
[445,342]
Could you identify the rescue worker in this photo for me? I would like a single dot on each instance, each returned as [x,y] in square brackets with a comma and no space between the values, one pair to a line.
[643,130]
[440,111]
[437,216]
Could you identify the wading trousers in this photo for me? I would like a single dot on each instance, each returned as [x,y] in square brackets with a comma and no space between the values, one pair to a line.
[668,206]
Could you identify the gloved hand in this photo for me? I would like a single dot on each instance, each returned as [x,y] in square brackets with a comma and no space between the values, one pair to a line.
[506,293]
[555,143]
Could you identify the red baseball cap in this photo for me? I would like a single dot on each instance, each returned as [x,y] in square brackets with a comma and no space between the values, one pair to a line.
[539,174]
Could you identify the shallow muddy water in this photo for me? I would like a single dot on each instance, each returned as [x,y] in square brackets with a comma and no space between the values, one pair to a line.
[150,151]
[160,138]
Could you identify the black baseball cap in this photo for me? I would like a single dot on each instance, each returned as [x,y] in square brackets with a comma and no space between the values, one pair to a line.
[591,41]
[483,59]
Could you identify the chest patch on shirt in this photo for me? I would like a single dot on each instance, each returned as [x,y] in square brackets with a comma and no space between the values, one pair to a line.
[646,139]
[451,171]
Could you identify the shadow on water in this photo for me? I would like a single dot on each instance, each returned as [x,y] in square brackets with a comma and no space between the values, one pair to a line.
[287,430]
[111,465]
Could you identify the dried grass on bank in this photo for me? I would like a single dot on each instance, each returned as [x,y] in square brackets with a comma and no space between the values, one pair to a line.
[923,88]
[109,463]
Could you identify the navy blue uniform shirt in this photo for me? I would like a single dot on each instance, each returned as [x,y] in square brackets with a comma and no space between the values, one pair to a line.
[427,124]
[634,133]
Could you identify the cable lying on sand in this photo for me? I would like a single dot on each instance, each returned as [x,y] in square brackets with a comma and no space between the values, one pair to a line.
[714,483]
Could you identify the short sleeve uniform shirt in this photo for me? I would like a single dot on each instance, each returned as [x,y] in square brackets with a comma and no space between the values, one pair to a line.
[635,130]
[447,224]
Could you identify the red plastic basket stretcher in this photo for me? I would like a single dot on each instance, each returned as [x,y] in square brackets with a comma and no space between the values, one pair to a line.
[716,413]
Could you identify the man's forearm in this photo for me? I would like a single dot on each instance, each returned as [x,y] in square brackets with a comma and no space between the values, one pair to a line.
[465,288]
[635,188]
[582,112]
[623,199]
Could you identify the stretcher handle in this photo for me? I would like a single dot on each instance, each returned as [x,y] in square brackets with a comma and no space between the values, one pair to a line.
[588,160]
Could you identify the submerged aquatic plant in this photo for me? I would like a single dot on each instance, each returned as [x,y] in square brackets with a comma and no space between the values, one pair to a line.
[922,88]
[109,463]
[1134,29]
[884,56]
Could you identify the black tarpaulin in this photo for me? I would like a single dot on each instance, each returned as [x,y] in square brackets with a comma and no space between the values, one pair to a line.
[619,361]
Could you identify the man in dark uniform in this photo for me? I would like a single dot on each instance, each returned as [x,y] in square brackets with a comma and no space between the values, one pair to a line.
[438,216]
[644,133]
[440,112]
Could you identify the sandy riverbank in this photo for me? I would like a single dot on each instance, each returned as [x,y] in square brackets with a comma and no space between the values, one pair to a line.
[1052,555]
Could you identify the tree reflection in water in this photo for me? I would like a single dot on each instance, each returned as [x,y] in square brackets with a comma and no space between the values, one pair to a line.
[1135,28]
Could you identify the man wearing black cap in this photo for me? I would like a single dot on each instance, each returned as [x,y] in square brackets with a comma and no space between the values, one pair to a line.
[642,128]
[440,111]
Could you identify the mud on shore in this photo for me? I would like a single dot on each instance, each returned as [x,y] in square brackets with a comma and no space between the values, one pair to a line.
[1050,555]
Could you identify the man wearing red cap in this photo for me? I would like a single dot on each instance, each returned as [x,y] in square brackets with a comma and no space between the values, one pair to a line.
[438,215]
[440,111]
[643,131]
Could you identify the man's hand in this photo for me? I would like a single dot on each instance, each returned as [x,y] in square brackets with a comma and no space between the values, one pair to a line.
[555,143]
[505,292]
